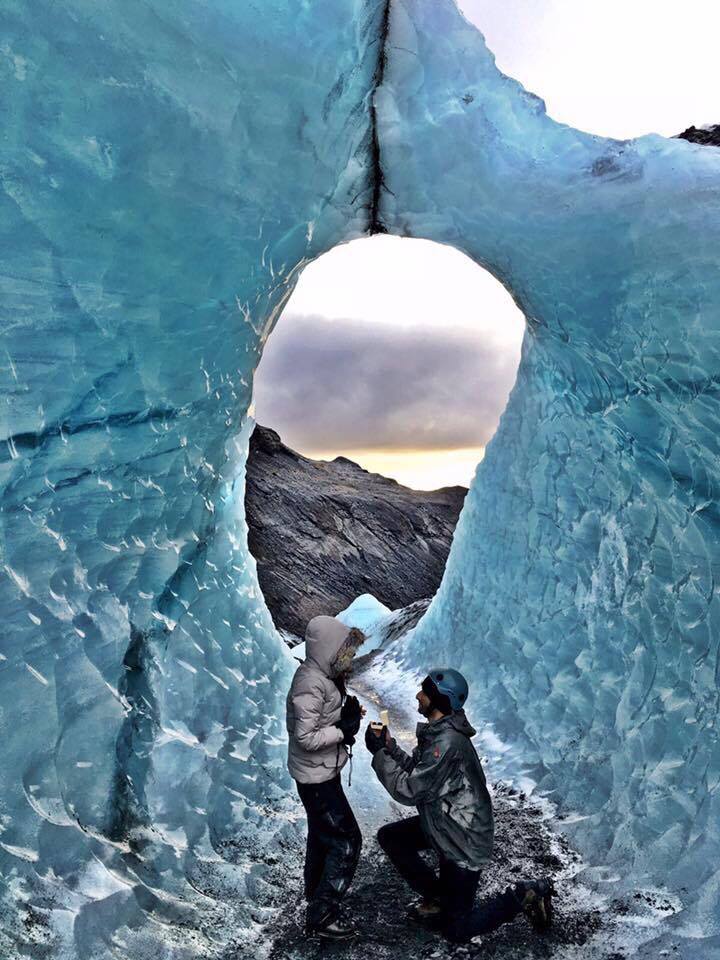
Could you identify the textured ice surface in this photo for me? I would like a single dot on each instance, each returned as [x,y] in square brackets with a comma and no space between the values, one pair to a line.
[580,594]
[167,168]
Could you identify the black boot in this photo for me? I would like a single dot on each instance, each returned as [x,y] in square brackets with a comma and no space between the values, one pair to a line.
[336,929]
[428,913]
[535,897]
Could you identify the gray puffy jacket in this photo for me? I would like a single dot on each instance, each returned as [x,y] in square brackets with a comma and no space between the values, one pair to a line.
[444,779]
[315,748]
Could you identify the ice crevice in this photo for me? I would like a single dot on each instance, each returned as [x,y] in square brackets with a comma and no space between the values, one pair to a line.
[377,178]
[165,181]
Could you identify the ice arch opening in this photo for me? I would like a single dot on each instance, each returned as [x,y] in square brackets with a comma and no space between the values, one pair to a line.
[396,352]
[148,248]
[396,355]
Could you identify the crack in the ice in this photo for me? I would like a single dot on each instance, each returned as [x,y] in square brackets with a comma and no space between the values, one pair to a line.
[139,730]
[18,443]
[376,224]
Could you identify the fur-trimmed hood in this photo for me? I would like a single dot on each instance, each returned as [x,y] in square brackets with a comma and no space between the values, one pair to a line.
[330,645]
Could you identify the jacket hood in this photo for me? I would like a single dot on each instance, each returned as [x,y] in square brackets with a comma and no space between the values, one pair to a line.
[330,645]
[457,720]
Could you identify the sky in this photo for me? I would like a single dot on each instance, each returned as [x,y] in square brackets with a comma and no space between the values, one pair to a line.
[397,353]
[620,68]
[401,353]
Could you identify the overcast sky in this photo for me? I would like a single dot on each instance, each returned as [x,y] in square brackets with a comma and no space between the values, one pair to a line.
[360,385]
[620,68]
[358,364]
[397,353]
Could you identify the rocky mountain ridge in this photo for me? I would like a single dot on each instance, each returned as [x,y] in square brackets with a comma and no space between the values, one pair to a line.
[708,136]
[323,533]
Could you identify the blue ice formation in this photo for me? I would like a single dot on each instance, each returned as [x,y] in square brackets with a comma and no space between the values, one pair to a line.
[368,614]
[167,170]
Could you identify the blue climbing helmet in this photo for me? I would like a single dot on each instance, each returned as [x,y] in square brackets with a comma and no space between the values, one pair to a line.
[449,684]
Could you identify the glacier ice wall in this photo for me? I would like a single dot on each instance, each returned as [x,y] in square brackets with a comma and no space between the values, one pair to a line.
[167,169]
[581,592]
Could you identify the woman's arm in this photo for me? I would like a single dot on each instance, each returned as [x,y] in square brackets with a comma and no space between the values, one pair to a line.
[307,730]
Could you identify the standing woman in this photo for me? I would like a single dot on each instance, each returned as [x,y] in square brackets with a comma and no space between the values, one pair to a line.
[322,722]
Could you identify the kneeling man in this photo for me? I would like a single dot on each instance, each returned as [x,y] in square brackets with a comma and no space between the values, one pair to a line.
[444,779]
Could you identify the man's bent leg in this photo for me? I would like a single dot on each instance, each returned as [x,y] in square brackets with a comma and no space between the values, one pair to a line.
[402,842]
[462,919]
[337,830]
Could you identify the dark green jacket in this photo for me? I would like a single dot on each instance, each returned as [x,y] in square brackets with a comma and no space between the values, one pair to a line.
[444,779]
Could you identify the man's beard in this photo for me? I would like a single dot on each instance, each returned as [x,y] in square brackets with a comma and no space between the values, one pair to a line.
[425,711]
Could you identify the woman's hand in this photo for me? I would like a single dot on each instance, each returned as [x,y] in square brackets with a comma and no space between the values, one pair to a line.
[350,715]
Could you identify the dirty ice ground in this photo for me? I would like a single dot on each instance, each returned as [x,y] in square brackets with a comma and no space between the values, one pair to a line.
[587,926]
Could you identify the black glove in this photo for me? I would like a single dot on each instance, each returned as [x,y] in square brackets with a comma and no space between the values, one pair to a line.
[351,710]
[375,741]
[349,721]
[349,729]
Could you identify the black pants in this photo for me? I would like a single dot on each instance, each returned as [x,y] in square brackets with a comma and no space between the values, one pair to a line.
[454,888]
[333,848]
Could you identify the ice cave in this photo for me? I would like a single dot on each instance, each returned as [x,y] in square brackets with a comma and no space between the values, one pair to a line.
[168,168]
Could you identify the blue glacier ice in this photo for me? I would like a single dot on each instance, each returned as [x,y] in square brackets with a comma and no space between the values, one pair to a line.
[368,614]
[167,170]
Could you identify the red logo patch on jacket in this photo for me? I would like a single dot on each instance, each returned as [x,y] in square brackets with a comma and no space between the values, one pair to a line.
[436,752]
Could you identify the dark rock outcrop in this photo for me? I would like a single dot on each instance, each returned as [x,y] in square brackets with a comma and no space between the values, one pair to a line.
[708,136]
[323,533]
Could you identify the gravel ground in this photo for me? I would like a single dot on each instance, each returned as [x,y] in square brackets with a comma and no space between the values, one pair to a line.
[586,925]
[378,900]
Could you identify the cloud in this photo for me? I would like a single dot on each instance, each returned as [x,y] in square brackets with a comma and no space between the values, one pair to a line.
[343,385]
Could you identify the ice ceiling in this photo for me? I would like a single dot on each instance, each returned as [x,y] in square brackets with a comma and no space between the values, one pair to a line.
[167,168]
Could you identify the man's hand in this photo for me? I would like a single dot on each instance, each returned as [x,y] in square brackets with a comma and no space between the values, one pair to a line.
[376,739]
